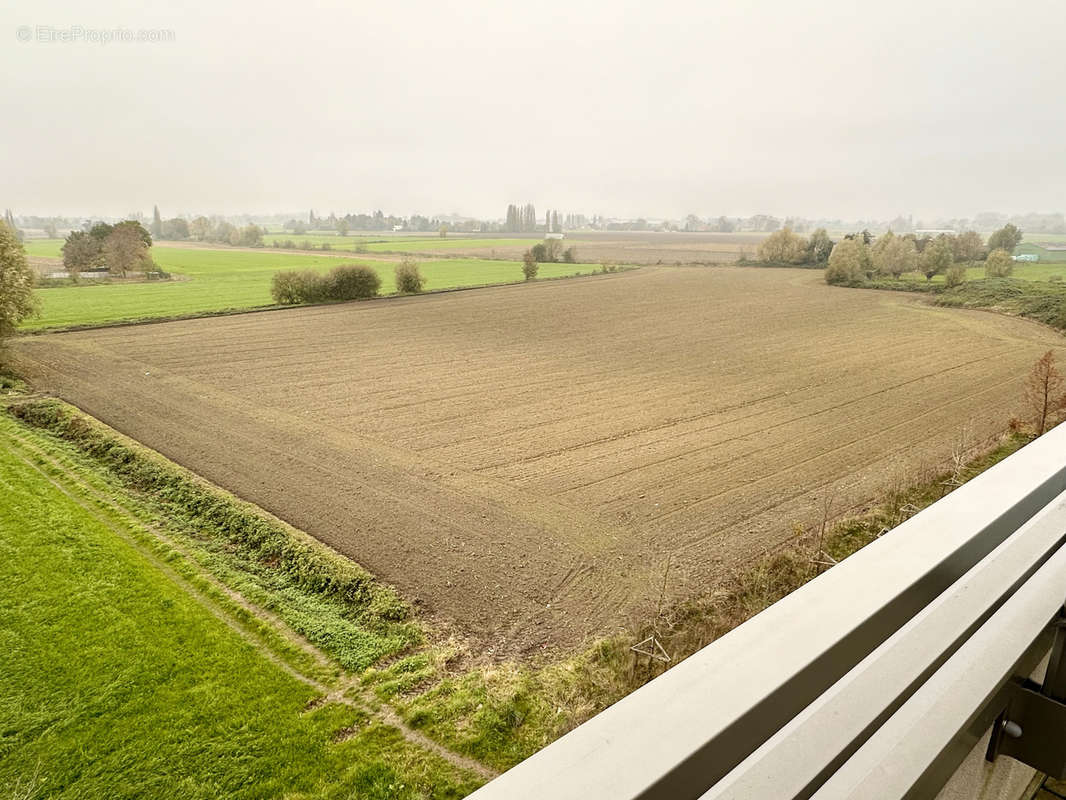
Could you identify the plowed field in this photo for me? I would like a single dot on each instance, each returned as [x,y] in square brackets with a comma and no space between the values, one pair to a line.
[524,460]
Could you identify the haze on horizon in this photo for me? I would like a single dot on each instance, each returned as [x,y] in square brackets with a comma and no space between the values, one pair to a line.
[835,110]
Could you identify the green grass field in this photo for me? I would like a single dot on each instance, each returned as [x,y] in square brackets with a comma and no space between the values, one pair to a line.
[1044,238]
[1022,271]
[119,679]
[220,280]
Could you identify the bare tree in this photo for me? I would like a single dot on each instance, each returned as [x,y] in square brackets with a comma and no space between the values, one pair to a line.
[1043,391]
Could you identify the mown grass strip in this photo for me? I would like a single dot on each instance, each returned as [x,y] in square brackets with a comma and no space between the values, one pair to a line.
[116,681]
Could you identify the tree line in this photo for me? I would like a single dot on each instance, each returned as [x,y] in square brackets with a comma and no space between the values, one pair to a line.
[860,256]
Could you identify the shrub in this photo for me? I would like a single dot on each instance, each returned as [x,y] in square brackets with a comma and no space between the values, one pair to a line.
[783,247]
[352,282]
[408,278]
[539,252]
[569,255]
[529,265]
[292,287]
[999,264]
[955,276]
[283,287]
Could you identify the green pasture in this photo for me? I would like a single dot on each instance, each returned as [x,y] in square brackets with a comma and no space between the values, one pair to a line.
[218,280]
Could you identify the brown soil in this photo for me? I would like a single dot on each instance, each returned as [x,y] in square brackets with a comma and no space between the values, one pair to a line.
[525,459]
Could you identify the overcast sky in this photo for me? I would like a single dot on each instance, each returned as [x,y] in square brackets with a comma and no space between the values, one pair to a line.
[837,108]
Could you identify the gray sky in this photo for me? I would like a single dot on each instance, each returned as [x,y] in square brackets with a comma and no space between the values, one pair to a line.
[836,108]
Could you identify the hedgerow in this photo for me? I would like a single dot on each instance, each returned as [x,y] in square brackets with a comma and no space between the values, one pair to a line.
[310,566]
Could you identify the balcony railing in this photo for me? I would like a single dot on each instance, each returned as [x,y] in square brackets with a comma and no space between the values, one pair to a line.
[876,679]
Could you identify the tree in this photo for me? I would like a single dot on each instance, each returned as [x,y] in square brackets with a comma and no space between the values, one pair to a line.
[969,246]
[9,220]
[342,226]
[999,264]
[783,247]
[553,248]
[125,250]
[157,223]
[135,227]
[894,255]
[175,230]
[877,252]
[1006,238]
[200,228]
[955,276]
[848,261]
[17,300]
[819,246]
[442,231]
[100,231]
[408,277]
[937,257]
[1042,391]
[82,251]
[529,265]
[249,236]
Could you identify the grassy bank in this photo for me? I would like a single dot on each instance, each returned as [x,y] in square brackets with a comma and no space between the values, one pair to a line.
[120,678]
[325,597]
[1040,300]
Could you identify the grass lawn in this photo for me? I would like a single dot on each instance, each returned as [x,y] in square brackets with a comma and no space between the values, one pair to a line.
[118,680]
[219,280]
